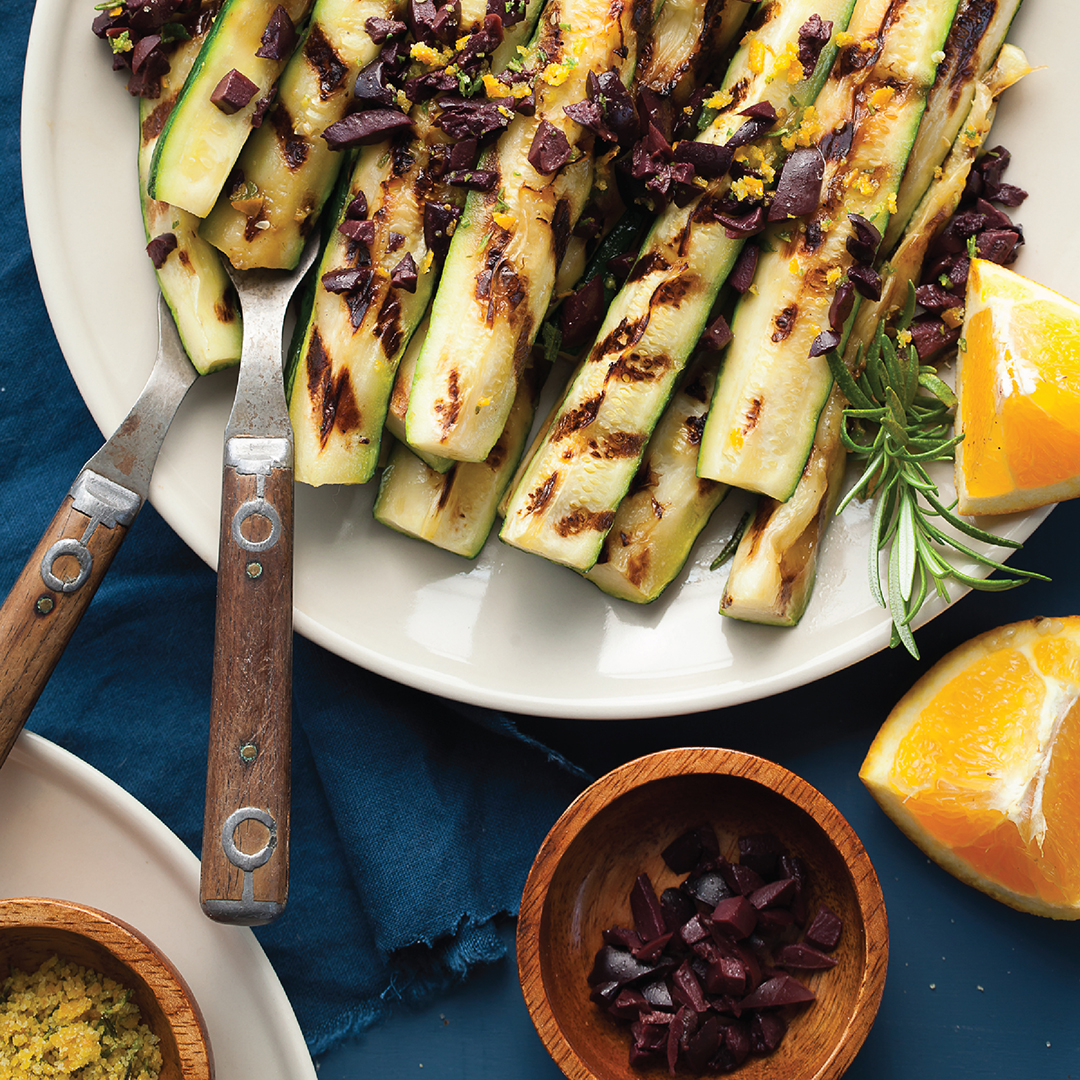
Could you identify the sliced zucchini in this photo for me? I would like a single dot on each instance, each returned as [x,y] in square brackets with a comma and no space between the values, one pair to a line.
[200,142]
[565,502]
[762,420]
[667,505]
[501,267]
[287,169]
[191,276]
[399,401]
[455,510]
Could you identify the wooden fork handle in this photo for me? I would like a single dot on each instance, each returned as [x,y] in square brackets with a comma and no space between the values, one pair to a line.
[54,589]
[245,855]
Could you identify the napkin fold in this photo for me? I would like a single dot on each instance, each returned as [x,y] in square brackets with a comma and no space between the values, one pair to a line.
[414,820]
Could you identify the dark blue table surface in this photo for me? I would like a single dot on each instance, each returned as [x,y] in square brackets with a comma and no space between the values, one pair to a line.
[974,989]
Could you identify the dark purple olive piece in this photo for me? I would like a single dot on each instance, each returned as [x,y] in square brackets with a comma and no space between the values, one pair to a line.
[509,12]
[143,49]
[420,15]
[425,86]
[622,937]
[629,1005]
[345,279]
[703,1044]
[681,1029]
[686,990]
[735,917]
[645,907]
[404,275]
[708,888]
[761,852]
[718,335]
[472,179]
[736,228]
[766,1032]
[447,21]
[866,237]
[867,281]
[742,273]
[482,43]
[825,342]
[997,245]
[694,930]
[803,957]
[357,209]
[279,37]
[931,336]
[262,107]
[550,149]
[463,154]
[814,35]
[678,909]
[775,894]
[364,128]
[658,995]
[615,965]
[709,160]
[824,931]
[440,219]
[582,312]
[363,232]
[777,991]
[160,248]
[651,951]
[1006,194]
[742,879]
[621,266]
[798,191]
[382,30]
[727,976]
[233,92]
[840,308]
[462,118]
[589,115]
[934,298]
[371,85]
[603,993]
[737,1040]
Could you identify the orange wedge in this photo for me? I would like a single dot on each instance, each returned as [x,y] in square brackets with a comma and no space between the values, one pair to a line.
[1018,383]
[979,764]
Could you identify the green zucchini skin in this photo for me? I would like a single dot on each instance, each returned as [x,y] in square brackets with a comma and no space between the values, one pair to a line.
[455,509]
[287,167]
[772,575]
[763,417]
[565,502]
[192,279]
[500,271]
[667,505]
[200,144]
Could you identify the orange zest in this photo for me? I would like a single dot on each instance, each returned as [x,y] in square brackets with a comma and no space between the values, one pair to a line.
[1018,385]
[979,764]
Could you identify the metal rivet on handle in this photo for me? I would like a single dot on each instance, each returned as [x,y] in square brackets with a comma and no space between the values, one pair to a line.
[248,753]
[44,605]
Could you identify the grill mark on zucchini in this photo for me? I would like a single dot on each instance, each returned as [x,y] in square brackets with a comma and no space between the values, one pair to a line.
[577,419]
[388,324]
[618,444]
[447,485]
[225,309]
[646,265]
[449,408]
[541,496]
[330,68]
[785,322]
[581,520]
[967,33]
[331,398]
[294,149]
[154,123]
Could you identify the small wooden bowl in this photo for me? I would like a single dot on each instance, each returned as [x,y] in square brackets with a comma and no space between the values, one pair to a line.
[580,884]
[32,929]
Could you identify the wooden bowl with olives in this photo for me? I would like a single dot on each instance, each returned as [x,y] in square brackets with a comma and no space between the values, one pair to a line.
[43,945]
[701,911]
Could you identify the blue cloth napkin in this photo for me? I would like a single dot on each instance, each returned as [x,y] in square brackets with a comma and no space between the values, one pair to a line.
[414,820]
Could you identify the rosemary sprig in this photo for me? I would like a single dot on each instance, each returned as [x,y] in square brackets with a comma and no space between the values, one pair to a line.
[899,421]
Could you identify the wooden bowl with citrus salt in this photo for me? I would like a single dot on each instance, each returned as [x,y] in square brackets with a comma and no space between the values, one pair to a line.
[580,885]
[33,929]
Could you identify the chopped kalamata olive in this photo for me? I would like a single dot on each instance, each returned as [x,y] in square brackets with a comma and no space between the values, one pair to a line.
[550,149]
[798,191]
[824,931]
[727,975]
[143,49]
[649,952]
[686,990]
[357,209]
[404,275]
[677,908]
[382,30]
[934,298]
[160,248]
[708,888]
[622,937]
[617,107]
[447,21]
[363,232]
[629,1005]
[463,154]
[703,1044]
[262,106]
[777,893]
[279,37]
[364,128]
[421,19]
[371,87]
[736,917]
[803,957]
[233,92]
[761,852]
[766,1031]
[440,220]
[777,991]
[656,111]
[718,335]
[867,281]
[481,44]
[346,279]
[694,930]
[742,879]
[709,160]
[462,118]
[864,244]
[615,965]
[510,12]
[841,306]
[742,273]
[645,907]
[621,265]
[735,228]
[588,114]
[997,245]
[814,35]
[825,342]
[582,312]
[472,179]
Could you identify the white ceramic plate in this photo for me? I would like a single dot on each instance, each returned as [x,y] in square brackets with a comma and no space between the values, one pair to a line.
[510,630]
[70,833]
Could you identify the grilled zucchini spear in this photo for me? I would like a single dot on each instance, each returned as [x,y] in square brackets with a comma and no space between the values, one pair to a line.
[498,277]
[771,390]
[223,96]
[286,169]
[565,502]
[773,571]
[189,271]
